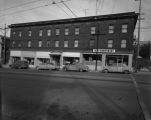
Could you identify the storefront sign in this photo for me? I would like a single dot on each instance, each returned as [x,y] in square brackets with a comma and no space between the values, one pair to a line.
[104,50]
[71,54]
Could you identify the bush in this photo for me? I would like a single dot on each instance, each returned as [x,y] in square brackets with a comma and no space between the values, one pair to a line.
[143,63]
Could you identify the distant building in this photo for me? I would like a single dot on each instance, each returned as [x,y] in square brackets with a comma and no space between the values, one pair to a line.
[75,40]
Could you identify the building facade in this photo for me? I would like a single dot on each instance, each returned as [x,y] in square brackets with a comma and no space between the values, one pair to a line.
[105,39]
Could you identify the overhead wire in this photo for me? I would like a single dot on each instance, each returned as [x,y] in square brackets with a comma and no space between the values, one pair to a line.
[61,8]
[99,3]
[114,4]
[69,8]
[101,6]
[19,5]
[31,8]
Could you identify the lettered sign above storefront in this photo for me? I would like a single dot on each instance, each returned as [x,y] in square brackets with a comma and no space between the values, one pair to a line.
[104,50]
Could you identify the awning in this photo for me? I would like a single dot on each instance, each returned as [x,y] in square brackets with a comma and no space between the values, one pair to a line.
[42,54]
[30,54]
[71,54]
[15,53]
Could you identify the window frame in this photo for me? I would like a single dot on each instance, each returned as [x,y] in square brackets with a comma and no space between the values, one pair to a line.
[111,29]
[110,43]
[77,31]
[40,43]
[13,43]
[29,33]
[57,43]
[66,44]
[123,43]
[66,31]
[90,43]
[49,32]
[20,34]
[93,31]
[124,29]
[57,31]
[48,43]
[29,44]
[76,45]
[40,33]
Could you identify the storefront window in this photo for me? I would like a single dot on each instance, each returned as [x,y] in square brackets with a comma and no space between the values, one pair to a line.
[116,59]
[29,60]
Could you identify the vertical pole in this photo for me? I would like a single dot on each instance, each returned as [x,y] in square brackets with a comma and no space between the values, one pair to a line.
[97,38]
[139,24]
[4,45]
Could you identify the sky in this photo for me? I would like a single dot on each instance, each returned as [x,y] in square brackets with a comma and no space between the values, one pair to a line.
[22,11]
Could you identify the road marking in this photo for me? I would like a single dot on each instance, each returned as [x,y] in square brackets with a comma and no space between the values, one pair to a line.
[141,103]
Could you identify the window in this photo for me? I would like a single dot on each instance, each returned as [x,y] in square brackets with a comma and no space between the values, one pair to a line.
[49,32]
[66,31]
[93,30]
[29,43]
[40,32]
[76,43]
[92,43]
[29,33]
[124,28]
[20,34]
[57,44]
[77,31]
[40,43]
[19,44]
[110,43]
[13,44]
[111,29]
[48,43]
[65,43]
[123,44]
[57,31]
[14,33]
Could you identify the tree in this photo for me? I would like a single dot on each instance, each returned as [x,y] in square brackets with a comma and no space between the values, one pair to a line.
[145,51]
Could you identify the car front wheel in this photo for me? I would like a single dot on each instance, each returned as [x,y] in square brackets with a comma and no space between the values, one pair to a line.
[105,71]
[81,70]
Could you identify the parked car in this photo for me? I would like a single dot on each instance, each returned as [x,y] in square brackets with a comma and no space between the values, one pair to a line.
[117,67]
[76,67]
[47,66]
[20,64]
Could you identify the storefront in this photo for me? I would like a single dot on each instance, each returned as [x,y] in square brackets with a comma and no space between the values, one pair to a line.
[71,57]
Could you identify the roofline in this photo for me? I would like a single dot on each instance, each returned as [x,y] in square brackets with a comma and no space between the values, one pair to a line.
[80,19]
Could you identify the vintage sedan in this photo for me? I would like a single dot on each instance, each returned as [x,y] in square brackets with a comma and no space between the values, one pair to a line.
[76,67]
[20,64]
[47,66]
[117,67]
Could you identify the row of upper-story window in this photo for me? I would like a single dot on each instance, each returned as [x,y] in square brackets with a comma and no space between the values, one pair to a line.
[111,30]
[75,45]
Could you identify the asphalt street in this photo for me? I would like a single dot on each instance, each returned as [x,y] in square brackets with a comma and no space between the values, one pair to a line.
[60,95]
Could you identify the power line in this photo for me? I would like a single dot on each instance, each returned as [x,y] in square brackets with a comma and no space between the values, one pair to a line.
[33,8]
[69,8]
[114,1]
[19,5]
[102,6]
[99,3]
[61,8]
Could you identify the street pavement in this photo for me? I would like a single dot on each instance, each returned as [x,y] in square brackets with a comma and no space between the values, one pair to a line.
[60,95]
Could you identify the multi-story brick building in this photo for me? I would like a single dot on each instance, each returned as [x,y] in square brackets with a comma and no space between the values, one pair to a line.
[76,39]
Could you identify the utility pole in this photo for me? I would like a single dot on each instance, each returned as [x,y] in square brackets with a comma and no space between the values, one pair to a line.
[97,45]
[139,25]
[4,43]
[85,12]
